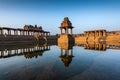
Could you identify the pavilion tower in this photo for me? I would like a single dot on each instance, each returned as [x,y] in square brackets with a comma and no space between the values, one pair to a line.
[66,35]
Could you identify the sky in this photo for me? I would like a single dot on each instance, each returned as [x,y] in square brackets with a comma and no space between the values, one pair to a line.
[84,14]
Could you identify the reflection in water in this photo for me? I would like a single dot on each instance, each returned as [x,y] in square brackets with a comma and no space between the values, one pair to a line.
[29,51]
[98,46]
[101,47]
[86,65]
[66,53]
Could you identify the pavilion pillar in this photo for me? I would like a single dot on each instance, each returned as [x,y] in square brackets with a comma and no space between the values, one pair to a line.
[16,32]
[39,33]
[104,33]
[43,34]
[99,33]
[71,31]
[95,33]
[32,33]
[28,33]
[66,30]
[1,31]
[20,32]
[60,30]
[8,31]
[88,34]
[23,32]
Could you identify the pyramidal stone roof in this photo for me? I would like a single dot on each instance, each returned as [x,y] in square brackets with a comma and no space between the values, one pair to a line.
[66,23]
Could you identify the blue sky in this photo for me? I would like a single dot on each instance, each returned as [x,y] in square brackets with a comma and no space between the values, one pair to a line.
[84,14]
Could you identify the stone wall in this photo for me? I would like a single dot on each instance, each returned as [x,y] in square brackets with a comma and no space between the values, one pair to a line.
[111,38]
[12,39]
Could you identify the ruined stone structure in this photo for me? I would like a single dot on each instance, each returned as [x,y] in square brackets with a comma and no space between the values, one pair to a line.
[99,36]
[28,34]
[66,36]
[28,30]
[36,29]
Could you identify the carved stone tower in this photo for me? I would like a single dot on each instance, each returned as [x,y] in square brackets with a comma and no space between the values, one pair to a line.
[66,36]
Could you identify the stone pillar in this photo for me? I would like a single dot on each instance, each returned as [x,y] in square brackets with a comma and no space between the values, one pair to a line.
[23,32]
[46,34]
[98,33]
[31,33]
[40,33]
[16,32]
[88,34]
[60,30]
[66,31]
[95,33]
[43,34]
[28,33]
[71,31]
[8,31]
[1,32]
[20,32]
[104,33]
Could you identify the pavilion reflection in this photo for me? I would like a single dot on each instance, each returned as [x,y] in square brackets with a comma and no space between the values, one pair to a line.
[66,53]
[96,46]
[29,51]
[101,46]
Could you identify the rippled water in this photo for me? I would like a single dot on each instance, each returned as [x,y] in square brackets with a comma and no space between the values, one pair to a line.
[76,63]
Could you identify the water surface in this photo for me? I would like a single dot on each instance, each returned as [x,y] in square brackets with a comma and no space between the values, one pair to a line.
[57,63]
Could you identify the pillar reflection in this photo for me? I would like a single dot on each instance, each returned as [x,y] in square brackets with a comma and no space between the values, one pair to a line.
[29,51]
[66,53]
